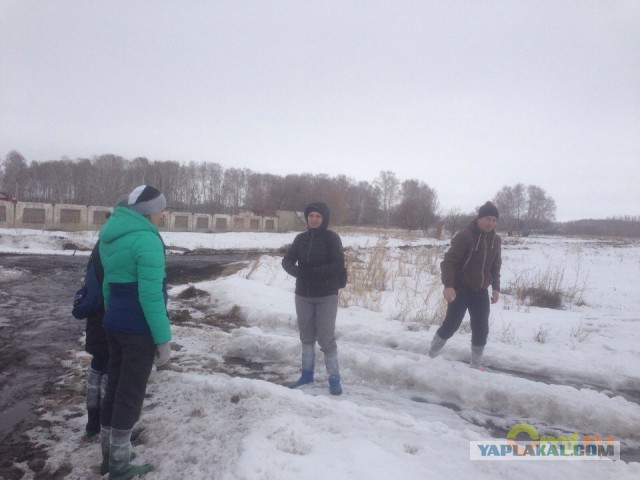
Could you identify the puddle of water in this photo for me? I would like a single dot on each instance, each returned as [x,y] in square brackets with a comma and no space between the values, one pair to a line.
[12,416]
[632,396]
[449,405]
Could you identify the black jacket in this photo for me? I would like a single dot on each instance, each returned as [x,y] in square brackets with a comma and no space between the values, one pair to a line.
[96,340]
[319,256]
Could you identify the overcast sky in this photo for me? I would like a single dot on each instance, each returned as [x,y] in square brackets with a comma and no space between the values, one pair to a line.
[465,95]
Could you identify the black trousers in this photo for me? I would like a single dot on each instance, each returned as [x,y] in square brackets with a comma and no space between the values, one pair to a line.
[130,361]
[100,362]
[477,302]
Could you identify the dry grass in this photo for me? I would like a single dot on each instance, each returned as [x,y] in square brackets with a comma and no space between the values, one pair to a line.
[541,335]
[508,334]
[380,232]
[407,279]
[548,288]
[253,266]
[580,333]
[367,278]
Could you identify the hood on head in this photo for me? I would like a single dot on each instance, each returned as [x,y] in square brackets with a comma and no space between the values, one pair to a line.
[123,221]
[320,207]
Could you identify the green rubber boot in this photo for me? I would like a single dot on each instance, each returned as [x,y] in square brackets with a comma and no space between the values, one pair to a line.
[120,454]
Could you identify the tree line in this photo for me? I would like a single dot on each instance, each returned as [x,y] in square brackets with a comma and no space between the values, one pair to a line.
[210,188]
[626,226]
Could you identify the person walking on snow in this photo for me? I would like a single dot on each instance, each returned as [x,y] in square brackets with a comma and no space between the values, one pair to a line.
[470,266]
[135,321]
[320,260]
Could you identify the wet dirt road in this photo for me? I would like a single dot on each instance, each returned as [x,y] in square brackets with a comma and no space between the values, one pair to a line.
[37,329]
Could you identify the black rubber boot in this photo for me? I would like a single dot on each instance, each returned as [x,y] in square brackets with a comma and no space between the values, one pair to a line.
[105,438]
[93,422]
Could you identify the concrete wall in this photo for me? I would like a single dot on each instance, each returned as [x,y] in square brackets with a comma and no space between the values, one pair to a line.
[45,216]
[34,215]
[181,222]
[96,216]
[270,224]
[69,217]
[222,223]
[290,221]
[164,225]
[202,222]
[7,214]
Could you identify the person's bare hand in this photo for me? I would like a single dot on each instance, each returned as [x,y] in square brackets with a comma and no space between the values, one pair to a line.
[449,294]
[495,296]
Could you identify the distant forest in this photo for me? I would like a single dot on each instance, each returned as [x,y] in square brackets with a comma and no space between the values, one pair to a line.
[210,188]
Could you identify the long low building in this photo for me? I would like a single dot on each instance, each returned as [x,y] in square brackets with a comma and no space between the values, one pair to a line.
[66,217]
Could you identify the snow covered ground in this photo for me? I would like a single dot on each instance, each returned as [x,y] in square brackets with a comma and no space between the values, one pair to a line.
[220,411]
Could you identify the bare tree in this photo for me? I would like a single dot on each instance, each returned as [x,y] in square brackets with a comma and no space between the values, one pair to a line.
[454,220]
[524,208]
[418,205]
[263,192]
[50,181]
[206,187]
[234,189]
[541,209]
[626,226]
[297,191]
[107,182]
[212,176]
[387,184]
[511,203]
[363,203]
[137,171]
[337,197]
[15,174]
[81,179]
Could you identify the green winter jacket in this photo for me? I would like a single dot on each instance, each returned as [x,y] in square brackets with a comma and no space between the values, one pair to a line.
[134,286]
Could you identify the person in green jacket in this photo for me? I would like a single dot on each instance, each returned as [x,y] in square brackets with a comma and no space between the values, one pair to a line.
[135,321]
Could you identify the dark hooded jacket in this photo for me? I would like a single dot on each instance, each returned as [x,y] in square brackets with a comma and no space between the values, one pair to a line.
[315,257]
[474,260]
[96,340]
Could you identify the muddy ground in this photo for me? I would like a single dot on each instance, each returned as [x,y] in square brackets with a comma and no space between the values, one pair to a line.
[37,332]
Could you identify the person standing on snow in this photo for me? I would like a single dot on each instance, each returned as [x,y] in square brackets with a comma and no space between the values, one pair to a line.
[470,266]
[320,260]
[135,321]
[89,305]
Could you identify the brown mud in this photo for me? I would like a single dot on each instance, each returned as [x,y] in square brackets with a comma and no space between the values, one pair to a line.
[37,334]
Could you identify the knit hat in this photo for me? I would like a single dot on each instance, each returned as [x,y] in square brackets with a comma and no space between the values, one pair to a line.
[147,200]
[488,210]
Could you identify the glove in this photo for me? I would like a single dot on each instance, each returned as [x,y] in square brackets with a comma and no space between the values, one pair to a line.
[163,352]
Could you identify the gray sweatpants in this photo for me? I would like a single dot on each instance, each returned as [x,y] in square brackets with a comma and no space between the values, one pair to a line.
[317,321]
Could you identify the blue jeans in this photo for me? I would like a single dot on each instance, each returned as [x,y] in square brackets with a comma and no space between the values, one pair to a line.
[477,302]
